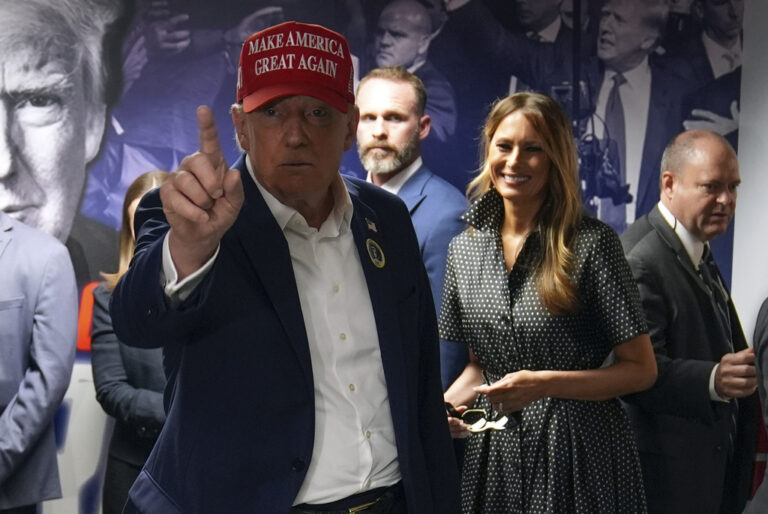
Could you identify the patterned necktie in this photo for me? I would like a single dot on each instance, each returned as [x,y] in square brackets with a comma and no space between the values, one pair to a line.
[711,277]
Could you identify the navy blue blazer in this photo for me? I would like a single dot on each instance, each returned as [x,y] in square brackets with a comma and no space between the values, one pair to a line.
[240,400]
[435,207]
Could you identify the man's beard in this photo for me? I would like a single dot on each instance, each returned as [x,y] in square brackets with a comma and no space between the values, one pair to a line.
[390,162]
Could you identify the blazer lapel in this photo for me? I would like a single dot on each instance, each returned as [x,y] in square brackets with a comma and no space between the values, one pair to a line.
[271,259]
[412,192]
[668,235]
[369,240]
[5,231]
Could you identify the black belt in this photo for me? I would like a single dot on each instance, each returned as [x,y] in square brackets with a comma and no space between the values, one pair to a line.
[376,501]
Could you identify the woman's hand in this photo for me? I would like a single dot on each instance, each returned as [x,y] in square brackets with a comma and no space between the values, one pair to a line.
[459,429]
[514,390]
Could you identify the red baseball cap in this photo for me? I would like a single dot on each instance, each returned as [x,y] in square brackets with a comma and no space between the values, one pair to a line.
[295,59]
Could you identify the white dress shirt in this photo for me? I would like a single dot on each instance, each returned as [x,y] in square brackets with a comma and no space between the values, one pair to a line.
[694,247]
[722,60]
[396,183]
[354,446]
[635,96]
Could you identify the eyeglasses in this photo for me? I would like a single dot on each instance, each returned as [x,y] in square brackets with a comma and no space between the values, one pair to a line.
[478,420]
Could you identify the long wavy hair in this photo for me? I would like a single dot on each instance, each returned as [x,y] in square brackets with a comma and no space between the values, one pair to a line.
[137,189]
[561,210]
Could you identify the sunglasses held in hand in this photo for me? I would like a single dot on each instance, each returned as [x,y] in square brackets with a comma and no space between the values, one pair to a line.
[477,420]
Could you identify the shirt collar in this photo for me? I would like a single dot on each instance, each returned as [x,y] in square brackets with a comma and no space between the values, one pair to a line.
[694,247]
[634,77]
[394,184]
[723,60]
[338,220]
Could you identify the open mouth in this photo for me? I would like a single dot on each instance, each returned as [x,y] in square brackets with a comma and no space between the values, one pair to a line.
[515,179]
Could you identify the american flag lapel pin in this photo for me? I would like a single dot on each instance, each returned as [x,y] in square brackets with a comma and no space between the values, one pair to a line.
[371,225]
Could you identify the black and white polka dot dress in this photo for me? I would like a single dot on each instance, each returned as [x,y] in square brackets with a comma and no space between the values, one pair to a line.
[567,455]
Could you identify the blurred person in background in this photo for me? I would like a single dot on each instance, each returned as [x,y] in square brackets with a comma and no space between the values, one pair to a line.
[129,381]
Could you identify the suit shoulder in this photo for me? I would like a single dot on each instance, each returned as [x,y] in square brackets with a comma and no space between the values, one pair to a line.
[441,186]
[645,248]
[32,237]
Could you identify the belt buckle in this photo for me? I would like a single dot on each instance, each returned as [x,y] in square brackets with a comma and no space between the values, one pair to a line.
[362,507]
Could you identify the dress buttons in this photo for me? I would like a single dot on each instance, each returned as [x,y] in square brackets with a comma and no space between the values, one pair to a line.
[352,387]
[335,288]
[343,336]
[368,434]
[298,465]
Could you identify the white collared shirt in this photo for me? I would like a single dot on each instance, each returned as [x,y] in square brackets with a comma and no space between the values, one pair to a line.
[354,446]
[635,96]
[394,184]
[722,60]
[694,247]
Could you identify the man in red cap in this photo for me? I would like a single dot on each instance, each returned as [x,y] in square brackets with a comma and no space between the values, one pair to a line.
[293,306]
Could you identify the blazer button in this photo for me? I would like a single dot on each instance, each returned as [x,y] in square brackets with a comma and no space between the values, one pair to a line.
[298,465]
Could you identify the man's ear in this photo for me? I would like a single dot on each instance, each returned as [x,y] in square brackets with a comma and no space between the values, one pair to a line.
[649,42]
[95,120]
[425,124]
[353,117]
[238,121]
[668,184]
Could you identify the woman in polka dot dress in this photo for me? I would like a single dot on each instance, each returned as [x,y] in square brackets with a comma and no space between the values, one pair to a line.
[543,295]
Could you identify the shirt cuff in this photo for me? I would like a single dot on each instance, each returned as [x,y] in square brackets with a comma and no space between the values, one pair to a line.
[712,392]
[176,290]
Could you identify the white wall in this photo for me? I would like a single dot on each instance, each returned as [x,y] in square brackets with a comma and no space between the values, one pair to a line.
[750,245]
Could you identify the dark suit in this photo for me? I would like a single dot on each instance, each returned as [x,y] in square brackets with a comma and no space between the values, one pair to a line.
[129,386]
[692,56]
[240,427]
[682,434]
[435,207]
[717,96]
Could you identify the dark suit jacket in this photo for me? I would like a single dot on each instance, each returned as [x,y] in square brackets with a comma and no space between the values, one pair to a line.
[717,96]
[129,386]
[682,434]
[240,427]
[435,207]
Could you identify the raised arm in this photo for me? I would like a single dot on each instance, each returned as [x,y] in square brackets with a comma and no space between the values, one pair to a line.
[201,200]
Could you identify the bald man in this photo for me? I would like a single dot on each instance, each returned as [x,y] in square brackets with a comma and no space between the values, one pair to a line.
[403,34]
[695,426]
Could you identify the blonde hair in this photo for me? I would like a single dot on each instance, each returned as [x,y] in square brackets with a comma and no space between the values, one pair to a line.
[561,210]
[137,189]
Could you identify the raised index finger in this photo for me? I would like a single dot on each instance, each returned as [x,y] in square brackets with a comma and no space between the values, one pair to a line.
[209,136]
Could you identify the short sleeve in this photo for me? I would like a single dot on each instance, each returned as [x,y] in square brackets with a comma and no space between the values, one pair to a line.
[450,322]
[610,289]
